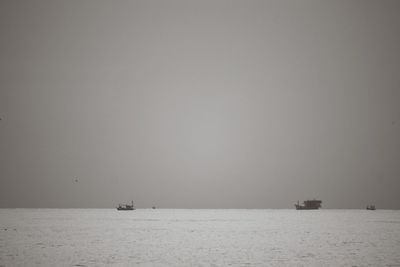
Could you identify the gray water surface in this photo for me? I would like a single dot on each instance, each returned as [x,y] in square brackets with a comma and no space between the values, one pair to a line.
[168,237]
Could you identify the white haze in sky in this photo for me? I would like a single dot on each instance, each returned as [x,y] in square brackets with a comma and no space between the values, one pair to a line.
[199,104]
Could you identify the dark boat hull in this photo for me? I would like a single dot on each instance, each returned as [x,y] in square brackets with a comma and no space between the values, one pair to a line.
[305,208]
[126,207]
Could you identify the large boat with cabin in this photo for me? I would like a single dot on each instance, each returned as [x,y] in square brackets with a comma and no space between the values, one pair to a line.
[308,205]
[126,206]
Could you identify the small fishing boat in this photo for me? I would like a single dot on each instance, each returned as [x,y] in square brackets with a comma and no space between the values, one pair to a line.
[371,207]
[126,206]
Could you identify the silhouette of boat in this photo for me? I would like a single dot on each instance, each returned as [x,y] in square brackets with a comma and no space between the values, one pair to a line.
[308,205]
[126,206]
[371,207]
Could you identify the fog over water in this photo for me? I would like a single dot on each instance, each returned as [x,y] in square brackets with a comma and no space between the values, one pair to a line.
[199,104]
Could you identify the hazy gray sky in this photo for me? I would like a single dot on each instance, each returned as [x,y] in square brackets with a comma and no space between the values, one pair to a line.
[199,104]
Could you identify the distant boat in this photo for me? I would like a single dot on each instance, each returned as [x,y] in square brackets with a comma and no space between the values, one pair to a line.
[309,205]
[126,206]
[371,207]
[154,207]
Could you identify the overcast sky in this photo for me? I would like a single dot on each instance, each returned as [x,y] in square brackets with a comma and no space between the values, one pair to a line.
[199,104]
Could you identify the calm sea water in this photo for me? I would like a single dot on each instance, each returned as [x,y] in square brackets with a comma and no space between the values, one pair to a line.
[162,237]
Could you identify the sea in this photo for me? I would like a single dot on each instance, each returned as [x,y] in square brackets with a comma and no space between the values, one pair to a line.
[199,237]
